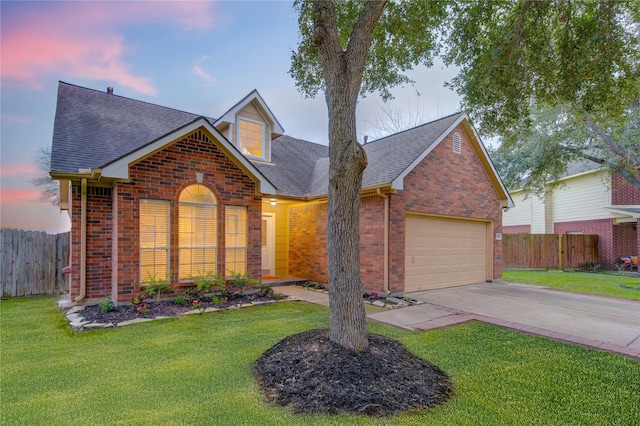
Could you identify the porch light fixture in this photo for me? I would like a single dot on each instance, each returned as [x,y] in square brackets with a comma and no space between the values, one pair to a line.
[273,201]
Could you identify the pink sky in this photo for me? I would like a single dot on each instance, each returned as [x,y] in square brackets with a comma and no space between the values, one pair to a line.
[81,39]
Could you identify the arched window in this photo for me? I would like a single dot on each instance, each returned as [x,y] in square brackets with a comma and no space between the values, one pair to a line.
[198,223]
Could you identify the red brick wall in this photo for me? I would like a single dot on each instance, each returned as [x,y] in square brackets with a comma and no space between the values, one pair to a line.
[163,176]
[516,229]
[98,238]
[372,243]
[445,183]
[308,242]
[624,193]
[601,227]
[625,240]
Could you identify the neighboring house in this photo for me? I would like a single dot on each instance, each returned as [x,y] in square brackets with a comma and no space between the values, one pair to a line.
[153,191]
[589,200]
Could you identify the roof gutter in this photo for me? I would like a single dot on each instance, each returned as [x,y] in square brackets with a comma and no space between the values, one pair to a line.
[386,240]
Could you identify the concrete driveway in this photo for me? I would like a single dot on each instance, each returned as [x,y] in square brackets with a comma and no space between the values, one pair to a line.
[602,322]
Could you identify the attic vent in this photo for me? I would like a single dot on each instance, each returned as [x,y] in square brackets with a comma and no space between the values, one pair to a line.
[457,143]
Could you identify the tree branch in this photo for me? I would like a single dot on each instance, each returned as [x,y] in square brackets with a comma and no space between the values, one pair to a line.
[604,137]
[361,36]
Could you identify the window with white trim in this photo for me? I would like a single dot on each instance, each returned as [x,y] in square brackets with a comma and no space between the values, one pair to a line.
[235,240]
[457,143]
[154,239]
[251,138]
[197,239]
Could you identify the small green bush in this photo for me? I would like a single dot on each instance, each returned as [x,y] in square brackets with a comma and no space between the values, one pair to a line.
[107,305]
[155,286]
[265,290]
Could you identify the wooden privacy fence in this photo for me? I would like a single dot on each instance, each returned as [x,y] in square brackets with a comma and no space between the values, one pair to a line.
[549,250]
[32,262]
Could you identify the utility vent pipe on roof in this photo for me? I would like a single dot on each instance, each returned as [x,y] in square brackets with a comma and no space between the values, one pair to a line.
[366,138]
[110,90]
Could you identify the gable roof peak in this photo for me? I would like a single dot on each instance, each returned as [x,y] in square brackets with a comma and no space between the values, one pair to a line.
[253,96]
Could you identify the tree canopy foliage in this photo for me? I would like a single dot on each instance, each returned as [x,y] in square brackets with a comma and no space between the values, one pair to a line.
[514,55]
[535,157]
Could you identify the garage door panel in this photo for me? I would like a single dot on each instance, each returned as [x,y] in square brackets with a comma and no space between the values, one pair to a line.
[444,253]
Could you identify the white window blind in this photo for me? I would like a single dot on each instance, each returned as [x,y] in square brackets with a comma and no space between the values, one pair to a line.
[154,239]
[197,237]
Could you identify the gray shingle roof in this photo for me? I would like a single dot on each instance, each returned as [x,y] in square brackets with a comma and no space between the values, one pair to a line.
[392,155]
[94,128]
[293,162]
[301,168]
[576,167]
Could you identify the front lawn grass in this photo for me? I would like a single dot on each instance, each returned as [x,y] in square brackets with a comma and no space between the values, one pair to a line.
[197,370]
[603,283]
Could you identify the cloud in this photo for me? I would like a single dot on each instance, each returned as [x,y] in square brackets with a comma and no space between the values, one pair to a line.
[21,196]
[15,119]
[200,72]
[80,39]
[19,170]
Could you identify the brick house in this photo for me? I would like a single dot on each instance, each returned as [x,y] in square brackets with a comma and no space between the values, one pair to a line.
[155,192]
[589,201]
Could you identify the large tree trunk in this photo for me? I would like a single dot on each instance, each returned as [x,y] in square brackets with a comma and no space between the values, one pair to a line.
[347,162]
[343,71]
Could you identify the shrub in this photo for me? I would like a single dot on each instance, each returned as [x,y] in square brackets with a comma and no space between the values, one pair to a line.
[205,283]
[155,286]
[265,290]
[242,281]
[107,305]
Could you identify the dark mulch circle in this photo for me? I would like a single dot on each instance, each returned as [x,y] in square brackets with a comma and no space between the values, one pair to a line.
[307,373]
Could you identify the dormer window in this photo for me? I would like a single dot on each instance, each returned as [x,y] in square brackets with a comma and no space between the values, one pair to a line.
[251,138]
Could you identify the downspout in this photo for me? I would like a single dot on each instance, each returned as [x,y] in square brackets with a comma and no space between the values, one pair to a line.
[83,241]
[386,240]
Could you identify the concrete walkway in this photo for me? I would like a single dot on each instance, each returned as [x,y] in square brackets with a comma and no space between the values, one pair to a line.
[604,323]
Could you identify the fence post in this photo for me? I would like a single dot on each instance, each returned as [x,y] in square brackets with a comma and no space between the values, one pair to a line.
[561,251]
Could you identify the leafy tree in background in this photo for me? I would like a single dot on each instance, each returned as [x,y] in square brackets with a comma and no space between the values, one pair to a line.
[535,157]
[511,54]
[50,189]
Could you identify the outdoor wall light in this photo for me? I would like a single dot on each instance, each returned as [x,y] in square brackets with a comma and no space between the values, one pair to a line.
[273,201]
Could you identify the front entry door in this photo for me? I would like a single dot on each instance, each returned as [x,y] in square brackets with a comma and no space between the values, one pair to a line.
[268,244]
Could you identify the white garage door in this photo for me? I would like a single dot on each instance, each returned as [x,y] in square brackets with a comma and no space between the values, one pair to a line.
[443,253]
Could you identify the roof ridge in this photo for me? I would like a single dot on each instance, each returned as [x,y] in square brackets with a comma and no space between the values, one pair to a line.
[135,100]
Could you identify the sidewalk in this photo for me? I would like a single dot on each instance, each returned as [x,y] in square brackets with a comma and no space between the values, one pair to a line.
[603,323]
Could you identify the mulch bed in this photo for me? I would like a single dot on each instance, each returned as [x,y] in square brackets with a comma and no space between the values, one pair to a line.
[307,373]
[127,312]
